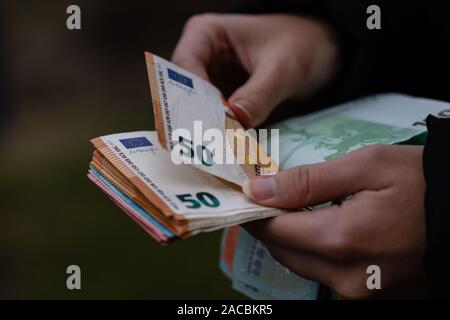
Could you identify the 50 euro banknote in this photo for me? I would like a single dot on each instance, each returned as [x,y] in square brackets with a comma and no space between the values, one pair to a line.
[138,170]
[167,199]
[186,106]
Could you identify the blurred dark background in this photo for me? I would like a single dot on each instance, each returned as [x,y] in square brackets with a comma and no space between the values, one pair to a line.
[61,88]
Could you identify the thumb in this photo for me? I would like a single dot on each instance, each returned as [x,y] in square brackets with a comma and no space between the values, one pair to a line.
[255,99]
[310,184]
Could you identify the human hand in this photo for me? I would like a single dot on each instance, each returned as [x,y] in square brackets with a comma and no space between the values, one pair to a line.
[382,224]
[283,55]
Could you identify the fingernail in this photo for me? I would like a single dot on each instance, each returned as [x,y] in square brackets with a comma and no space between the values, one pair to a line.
[241,113]
[262,188]
[241,107]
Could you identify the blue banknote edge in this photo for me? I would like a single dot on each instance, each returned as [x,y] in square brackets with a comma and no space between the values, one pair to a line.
[141,211]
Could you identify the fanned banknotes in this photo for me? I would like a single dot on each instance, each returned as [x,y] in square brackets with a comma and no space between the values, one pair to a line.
[171,201]
[189,105]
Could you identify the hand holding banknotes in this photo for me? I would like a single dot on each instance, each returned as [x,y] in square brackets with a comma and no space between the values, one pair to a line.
[383,223]
[173,202]
[284,56]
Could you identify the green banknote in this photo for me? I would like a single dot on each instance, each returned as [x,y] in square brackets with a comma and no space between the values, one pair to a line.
[331,133]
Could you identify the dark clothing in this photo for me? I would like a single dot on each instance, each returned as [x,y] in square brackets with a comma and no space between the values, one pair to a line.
[409,54]
[437,204]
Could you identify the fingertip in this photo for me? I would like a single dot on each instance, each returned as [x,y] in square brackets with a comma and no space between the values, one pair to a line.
[260,189]
[241,114]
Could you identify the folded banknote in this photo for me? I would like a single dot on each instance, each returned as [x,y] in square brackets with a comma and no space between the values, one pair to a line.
[139,172]
[186,106]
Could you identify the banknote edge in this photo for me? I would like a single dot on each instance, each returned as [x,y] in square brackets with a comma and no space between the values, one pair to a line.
[154,92]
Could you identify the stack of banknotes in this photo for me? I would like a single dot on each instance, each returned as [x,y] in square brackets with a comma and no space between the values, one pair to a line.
[169,200]
[172,201]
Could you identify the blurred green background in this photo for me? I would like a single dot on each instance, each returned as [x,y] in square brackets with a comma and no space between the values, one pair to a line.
[67,87]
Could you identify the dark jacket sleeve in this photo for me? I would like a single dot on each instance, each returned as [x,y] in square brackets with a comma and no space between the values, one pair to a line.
[409,54]
[437,204]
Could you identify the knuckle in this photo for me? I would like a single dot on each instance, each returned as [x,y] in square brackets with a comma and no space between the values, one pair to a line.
[369,158]
[352,287]
[184,61]
[343,243]
[376,152]
[200,20]
[301,183]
